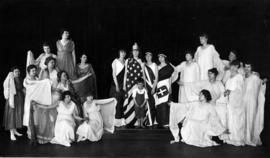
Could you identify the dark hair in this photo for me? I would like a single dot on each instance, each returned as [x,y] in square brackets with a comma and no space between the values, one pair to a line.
[90,94]
[63,30]
[235,63]
[251,64]
[204,35]
[30,67]
[234,52]
[14,68]
[214,71]
[49,59]
[65,93]
[45,44]
[121,50]
[140,80]
[188,51]
[59,74]
[207,95]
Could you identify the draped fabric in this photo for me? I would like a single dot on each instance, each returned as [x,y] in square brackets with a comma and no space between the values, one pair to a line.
[190,75]
[162,95]
[65,59]
[253,100]
[134,71]
[101,114]
[200,124]
[86,82]
[150,78]
[13,115]
[236,112]
[119,96]
[39,91]
[42,121]
[208,58]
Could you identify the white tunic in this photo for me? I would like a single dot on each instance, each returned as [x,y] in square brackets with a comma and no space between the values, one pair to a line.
[208,58]
[236,112]
[200,125]
[253,103]
[190,75]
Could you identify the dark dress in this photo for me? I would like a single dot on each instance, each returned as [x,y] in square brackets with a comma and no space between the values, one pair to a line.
[163,109]
[140,109]
[88,85]
[119,96]
[65,59]
[13,117]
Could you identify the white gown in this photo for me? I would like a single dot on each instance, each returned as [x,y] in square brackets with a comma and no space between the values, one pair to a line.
[190,75]
[253,100]
[208,58]
[93,130]
[217,90]
[65,124]
[200,124]
[236,112]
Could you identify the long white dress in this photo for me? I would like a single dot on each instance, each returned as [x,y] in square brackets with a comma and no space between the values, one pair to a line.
[208,58]
[92,130]
[253,101]
[65,124]
[217,90]
[190,75]
[200,125]
[227,73]
[236,112]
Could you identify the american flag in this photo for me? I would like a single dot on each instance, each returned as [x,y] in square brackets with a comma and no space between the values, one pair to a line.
[134,72]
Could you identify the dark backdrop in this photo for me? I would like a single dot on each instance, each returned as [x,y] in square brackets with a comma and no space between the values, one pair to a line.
[100,28]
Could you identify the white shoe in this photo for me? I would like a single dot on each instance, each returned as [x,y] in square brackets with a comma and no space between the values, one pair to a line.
[12,137]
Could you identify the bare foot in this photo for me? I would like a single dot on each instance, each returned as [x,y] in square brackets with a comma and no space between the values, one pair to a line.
[174,141]
[17,133]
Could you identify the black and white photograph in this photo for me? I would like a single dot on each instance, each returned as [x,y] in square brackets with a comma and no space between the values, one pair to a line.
[135,78]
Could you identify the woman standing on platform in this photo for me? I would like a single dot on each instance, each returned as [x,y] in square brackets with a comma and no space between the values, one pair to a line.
[151,79]
[207,58]
[14,95]
[118,72]
[66,58]
[165,71]
[86,82]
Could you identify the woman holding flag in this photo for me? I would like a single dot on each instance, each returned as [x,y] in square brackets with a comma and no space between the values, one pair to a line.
[133,71]
[165,71]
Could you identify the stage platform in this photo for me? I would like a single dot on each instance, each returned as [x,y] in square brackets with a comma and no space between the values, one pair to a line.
[127,143]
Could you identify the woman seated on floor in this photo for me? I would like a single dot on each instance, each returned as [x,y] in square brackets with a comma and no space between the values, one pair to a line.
[200,121]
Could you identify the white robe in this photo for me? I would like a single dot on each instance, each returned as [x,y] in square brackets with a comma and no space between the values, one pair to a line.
[217,90]
[253,101]
[101,117]
[208,58]
[236,112]
[64,125]
[190,75]
[39,91]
